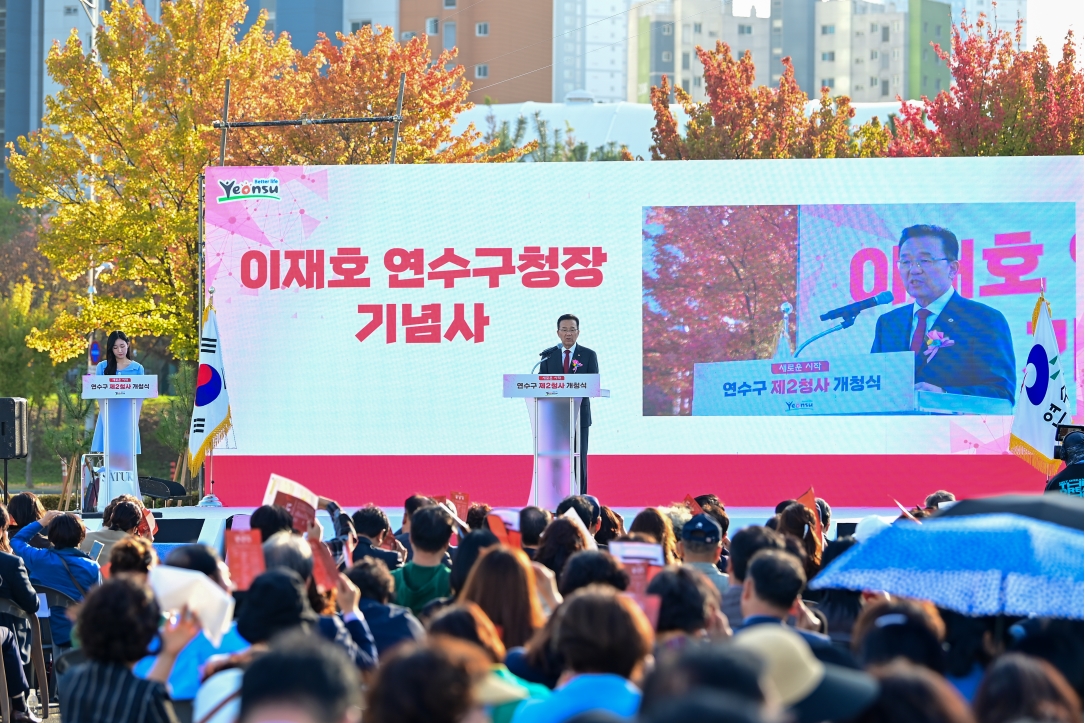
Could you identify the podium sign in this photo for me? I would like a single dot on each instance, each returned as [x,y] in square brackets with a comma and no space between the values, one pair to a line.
[553,404]
[842,384]
[119,406]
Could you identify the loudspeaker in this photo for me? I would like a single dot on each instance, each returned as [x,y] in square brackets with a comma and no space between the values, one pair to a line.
[13,424]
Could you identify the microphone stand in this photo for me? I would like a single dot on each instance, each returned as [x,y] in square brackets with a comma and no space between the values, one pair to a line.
[844,324]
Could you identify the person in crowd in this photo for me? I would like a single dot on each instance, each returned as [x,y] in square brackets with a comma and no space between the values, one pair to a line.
[132,556]
[15,631]
[772,592]
[934,499]
[348,628]
[559,541]
[714,666]
[611,526]
[689,605]
[432,682]
[269,519]
[184,680]
[588,513]
[300,680]
[810,690]
[15,586]
[799,522]
[539,661]
[657,526]
[914,694]
[781,506]
[746,543]
[891,629]
[1069,480]
[64,567]
[501,692]
[1019,687]
[425,577]
[411,505]
[374,532]
[124,521]
[700,549]
[533,520]
[476,516]
[25,508]
[471,546]
[605,641]
[840,607]
[1059,642]
[825,514]
[705,706]
[719,514]
[117,622]
[502,583]
[590,567]
[390,624]
[971,643]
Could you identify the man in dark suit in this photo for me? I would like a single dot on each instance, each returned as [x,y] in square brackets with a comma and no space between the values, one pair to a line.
[374,530]
[980,361]
[568,357]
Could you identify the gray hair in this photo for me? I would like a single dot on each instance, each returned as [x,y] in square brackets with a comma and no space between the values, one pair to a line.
[286,550]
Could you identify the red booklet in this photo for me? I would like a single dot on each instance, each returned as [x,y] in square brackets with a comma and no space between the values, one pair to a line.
[244,556]
[325,571]
[295,497]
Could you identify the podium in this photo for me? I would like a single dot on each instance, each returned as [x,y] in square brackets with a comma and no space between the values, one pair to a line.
[120,401]
[838,384]
[553,405]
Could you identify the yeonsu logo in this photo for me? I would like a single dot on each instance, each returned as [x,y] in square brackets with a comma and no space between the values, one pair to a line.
[256,188]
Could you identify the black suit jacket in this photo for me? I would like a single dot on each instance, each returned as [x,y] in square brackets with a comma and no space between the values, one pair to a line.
[15,586]
[981,360]
[554,363]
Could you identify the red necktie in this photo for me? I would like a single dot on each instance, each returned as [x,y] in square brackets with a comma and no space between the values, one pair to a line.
[920,334]
[566,361]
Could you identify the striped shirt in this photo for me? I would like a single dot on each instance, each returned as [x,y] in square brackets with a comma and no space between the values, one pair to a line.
[97,692]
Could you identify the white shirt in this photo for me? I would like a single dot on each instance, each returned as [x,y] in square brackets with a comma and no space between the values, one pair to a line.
[572,355]
[935,307]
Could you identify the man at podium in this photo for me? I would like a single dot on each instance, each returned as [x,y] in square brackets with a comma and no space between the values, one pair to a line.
[961,346]
[568,357]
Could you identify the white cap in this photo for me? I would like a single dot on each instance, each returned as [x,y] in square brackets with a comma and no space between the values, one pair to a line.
[868,527]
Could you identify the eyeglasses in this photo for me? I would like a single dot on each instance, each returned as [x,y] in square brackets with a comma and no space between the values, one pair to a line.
[925,264]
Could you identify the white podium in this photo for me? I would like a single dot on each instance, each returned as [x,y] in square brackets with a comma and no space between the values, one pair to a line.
[120,400]
[553,404]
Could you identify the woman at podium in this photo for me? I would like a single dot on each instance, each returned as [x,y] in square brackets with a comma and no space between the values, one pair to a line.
[118,360]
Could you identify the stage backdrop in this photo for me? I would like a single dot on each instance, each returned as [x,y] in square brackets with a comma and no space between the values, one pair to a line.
[367,314]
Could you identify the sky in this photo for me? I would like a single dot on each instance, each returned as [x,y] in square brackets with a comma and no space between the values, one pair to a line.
[1050,19]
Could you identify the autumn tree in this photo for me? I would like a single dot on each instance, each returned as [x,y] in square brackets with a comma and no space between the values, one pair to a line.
[124,141]
[1003,101]
[741,120]
[713,284]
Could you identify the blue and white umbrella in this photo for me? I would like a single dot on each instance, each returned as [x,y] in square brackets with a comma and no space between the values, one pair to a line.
[975,565]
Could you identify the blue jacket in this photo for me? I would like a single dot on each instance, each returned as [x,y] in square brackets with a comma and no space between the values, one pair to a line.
[184,679]
[353,636]
[390,624]
[980,362]
[46,567]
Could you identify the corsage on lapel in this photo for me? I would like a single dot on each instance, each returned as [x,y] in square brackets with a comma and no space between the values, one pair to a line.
[935,341]
[576,365]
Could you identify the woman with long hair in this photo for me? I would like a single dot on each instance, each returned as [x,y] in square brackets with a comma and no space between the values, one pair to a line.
[502,583]
[118,360]
[799,522]
[656,525]
[559,541]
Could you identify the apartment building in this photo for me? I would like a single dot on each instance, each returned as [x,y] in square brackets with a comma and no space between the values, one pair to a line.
[668,34]
[1004,16]
[792,37]
[590,43]
[506,47]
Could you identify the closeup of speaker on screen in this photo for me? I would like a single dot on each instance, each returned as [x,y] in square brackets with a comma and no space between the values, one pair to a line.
[13,425]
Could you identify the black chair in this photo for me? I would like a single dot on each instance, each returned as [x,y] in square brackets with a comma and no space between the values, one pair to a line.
[37,658]
[161,489]
[53,599]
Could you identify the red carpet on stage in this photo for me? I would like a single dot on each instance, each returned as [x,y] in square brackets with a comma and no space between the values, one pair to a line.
[636,480]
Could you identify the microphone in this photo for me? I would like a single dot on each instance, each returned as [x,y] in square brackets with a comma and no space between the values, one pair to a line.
[852,310]
[544,352]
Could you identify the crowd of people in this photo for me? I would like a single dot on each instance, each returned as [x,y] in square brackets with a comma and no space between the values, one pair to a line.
[528,619]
